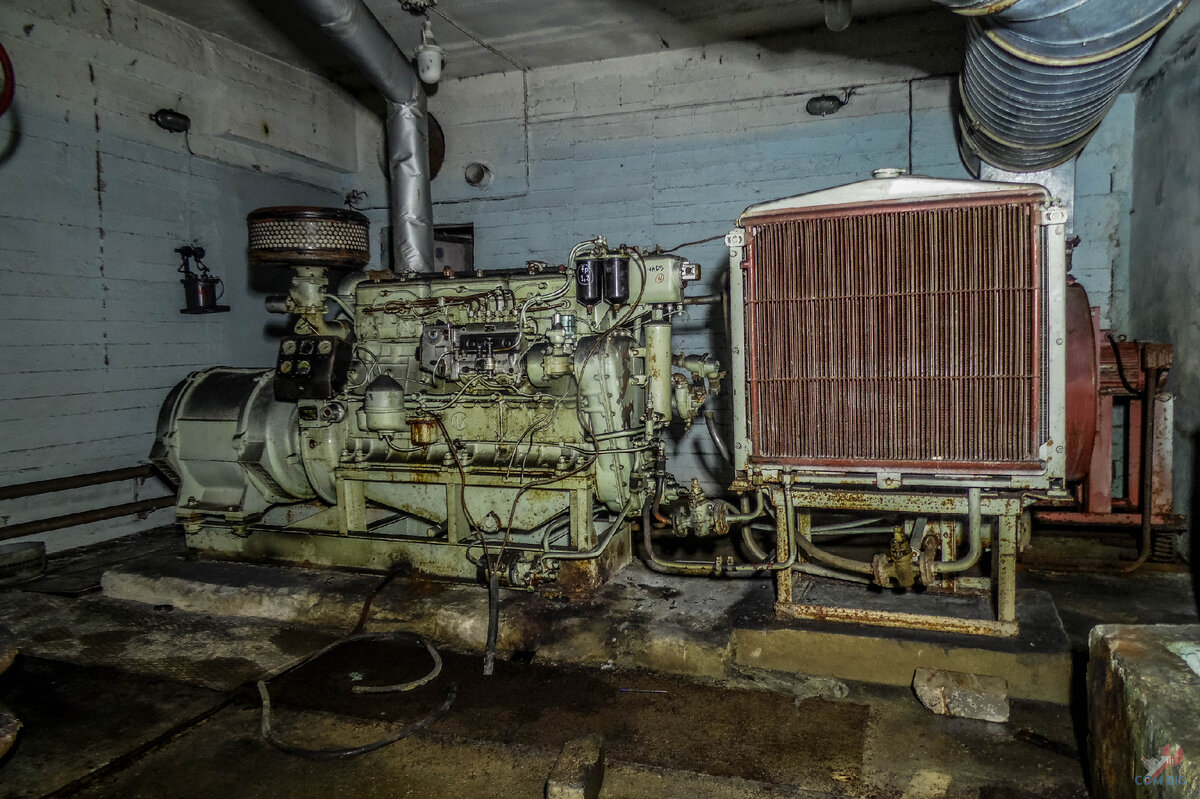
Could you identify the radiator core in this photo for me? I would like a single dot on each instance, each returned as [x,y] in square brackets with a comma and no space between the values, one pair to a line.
[902,335]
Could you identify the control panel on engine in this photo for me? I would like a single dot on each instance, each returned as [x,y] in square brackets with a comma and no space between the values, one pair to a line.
[311,367]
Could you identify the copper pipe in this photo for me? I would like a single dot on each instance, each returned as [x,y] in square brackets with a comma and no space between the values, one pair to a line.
[75,481]
[84,517]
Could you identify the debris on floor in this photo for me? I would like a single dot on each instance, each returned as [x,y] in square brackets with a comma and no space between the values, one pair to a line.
[967,696]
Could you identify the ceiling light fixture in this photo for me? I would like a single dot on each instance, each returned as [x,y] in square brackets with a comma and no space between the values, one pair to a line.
[838,14]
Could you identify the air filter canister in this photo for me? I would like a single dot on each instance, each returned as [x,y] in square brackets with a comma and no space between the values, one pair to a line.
[302,236]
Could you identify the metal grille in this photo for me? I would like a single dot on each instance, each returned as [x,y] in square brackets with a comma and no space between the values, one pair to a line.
[899,335]
[308,234]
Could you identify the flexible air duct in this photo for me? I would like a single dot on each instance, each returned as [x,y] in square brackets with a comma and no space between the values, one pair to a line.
[354,28]
[1040,75]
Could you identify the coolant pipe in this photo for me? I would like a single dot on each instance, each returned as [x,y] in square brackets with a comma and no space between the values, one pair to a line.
[829,559]
[833,574]
[714,567]
[974,537]
[365,42]
[723,448]
[740,517]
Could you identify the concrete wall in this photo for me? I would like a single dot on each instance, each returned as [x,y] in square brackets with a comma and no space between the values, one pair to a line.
[1165,282]
[671,147]
[96,198]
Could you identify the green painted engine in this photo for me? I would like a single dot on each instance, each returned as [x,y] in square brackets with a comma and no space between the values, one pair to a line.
[499,421]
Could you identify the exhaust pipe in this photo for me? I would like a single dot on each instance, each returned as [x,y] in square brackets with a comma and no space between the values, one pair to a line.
[356,30]
[1040,75]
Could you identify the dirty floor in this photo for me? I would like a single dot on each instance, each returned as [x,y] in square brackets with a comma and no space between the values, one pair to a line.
[146,701]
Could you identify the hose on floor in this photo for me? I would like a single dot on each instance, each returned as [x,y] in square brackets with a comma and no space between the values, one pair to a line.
[399,734]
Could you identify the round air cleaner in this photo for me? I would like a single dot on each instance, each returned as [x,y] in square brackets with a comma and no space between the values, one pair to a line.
[300,236]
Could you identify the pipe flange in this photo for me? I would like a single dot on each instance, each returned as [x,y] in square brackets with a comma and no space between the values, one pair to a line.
[882,570]
[927,560]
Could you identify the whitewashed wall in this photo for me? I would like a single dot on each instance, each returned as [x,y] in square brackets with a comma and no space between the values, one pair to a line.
[1165,281]
[671,147]
[94,200]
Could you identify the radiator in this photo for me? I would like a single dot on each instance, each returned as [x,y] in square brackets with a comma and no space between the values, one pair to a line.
[905,334]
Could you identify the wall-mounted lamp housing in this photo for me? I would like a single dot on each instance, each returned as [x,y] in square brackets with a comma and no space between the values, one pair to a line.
[172,120]
[825,104]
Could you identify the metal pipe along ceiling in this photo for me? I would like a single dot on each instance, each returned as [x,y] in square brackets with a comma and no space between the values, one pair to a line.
[1040,75]
[356,30]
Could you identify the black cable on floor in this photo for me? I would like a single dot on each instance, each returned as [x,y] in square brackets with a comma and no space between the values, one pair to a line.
[489,653]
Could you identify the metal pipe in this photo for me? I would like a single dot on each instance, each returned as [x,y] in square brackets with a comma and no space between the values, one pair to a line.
[739,517]
[833,574]
[1039,75]
[84,517]
[722,448]
[714,567]
[829,559]
[365,42]
[974,537]
[75,481]
[1148,389]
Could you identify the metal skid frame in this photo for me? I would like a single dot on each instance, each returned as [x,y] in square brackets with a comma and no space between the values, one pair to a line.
[1012,527]
[355,534]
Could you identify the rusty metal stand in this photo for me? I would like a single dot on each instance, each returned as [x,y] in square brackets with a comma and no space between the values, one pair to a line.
[1011,527]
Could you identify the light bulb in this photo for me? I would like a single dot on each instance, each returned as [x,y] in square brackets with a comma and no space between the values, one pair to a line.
[430,57]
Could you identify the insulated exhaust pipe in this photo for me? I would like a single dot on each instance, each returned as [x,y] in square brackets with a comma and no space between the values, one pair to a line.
[364,41]
[1040,75]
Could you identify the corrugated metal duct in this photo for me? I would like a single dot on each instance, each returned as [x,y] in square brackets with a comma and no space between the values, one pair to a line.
[1041,74]
[354,28]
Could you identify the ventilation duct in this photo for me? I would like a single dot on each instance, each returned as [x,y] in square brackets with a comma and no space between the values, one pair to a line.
[1040,75]
[354,28]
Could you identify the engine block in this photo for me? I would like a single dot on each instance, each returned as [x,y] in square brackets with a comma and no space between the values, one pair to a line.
[493,421]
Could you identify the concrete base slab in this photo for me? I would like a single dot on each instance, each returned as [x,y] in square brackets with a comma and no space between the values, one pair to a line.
[701,628]
[1036,663]
[1144,711]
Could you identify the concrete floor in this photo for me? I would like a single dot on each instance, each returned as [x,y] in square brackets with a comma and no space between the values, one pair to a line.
[128,699]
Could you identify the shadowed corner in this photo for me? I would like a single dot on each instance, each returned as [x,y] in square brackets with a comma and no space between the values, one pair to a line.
[1192,536]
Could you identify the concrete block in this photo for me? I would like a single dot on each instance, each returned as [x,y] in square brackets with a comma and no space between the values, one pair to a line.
[1144,711]
[956,693]
[1036,664]
[579,771]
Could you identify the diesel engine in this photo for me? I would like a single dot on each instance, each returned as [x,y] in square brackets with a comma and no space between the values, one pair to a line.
[502,422]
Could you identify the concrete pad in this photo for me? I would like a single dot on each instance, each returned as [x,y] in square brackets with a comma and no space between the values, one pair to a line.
[1036,663]
[1144,711]
[220,653]
[579,771]
[708,629]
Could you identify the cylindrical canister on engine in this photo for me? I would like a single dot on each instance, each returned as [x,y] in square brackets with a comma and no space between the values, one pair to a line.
[658,367]
[589,274]
[616,279]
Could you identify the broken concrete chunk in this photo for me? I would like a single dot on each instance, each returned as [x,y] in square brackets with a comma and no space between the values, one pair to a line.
[968,696]
[579,770]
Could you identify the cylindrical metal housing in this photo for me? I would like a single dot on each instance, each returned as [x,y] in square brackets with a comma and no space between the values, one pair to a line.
[616,279]
[658,367]
[229,444]
[589,276]
[302,236]
[383,404]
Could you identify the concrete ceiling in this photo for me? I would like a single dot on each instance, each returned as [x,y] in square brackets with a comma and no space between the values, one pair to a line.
[526,33]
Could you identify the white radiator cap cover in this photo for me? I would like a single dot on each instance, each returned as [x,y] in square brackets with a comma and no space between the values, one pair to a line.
[885,189]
